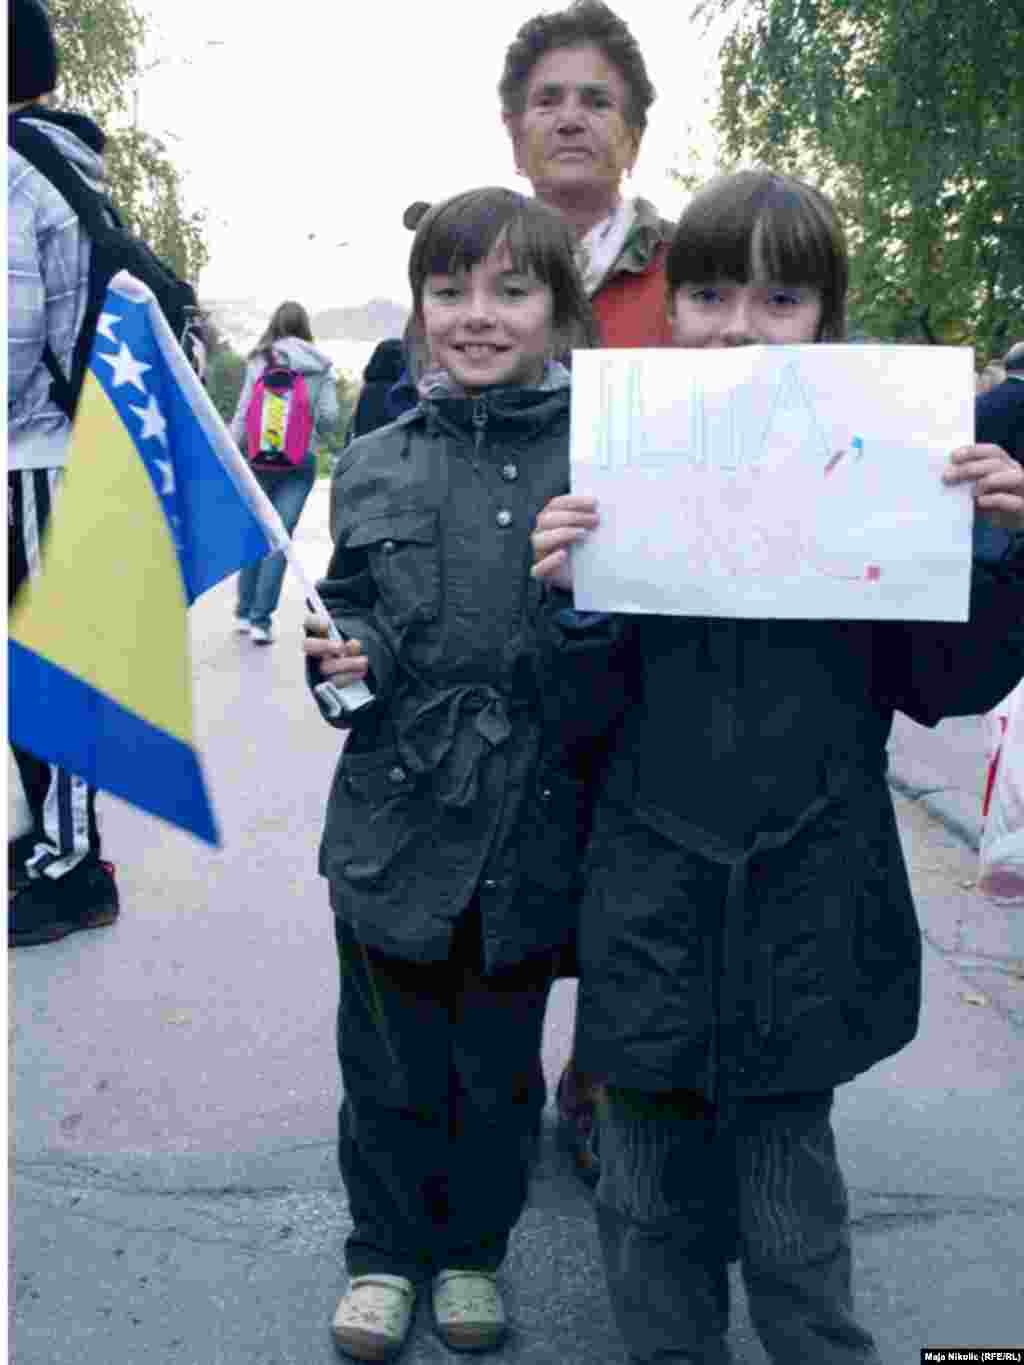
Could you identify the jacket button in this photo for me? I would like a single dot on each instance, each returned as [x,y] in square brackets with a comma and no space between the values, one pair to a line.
[396,775]
[510,472]
[388,547]
[504,517]
[490,884]
[545,794]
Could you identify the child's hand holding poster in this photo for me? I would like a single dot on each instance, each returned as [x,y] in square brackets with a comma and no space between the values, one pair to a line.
[798,482]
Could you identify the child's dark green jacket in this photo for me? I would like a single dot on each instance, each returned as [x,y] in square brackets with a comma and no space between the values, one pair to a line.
[747,925]
[448,786]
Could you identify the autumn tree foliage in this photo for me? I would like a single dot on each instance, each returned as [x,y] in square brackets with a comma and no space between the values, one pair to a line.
[100,42]
[911,114]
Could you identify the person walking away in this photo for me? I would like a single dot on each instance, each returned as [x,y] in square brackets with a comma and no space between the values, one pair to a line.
[288,342]
[451,839]
[748,939]
[57,880]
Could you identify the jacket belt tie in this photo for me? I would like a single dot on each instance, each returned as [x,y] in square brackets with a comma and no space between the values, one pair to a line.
[450,734]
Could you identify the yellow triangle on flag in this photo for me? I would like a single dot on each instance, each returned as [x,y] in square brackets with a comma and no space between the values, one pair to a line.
[109,606]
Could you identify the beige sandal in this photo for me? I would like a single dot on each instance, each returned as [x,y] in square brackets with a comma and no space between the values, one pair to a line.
[374,1316]
[468,1310]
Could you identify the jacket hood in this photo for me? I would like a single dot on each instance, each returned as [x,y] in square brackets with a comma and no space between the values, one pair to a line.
[387,362]
[302,355]
[78,139]
[499,414]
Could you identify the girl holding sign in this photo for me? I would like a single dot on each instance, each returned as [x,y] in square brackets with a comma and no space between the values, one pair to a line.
[747,939]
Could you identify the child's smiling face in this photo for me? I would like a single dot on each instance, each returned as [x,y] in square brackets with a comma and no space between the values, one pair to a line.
[489,326]
[729,313]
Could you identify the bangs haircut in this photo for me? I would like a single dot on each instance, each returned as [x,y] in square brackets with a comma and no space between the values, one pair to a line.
[459,233]
[756,225]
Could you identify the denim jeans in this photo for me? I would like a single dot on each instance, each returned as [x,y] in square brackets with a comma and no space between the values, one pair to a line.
[259,585]
[679,1196]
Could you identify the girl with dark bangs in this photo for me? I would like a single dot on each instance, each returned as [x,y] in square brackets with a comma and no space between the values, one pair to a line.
[747,936]
[451,838]
[758,226]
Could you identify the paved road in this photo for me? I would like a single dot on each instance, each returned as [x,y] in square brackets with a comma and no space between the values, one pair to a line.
[174,1091]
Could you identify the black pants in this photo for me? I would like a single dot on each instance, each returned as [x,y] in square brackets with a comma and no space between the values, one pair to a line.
[680,1195]
[443,1099]
[62,806]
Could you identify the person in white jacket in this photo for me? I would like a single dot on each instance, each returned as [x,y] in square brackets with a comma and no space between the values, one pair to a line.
[288,339]
[58,881]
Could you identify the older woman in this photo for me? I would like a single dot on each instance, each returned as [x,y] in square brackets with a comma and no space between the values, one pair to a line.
[575,95]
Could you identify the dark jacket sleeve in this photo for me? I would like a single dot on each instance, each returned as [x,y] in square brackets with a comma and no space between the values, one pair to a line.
[961,669]
[349,593]
[590,670]
[999,417]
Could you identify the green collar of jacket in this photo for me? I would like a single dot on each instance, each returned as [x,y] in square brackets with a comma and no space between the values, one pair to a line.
[648,232]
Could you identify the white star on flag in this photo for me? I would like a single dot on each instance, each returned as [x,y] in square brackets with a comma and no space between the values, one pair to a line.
[167,470]
[104,327]
[127,370]
[154,424]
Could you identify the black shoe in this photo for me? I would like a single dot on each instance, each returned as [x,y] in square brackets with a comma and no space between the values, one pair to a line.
[48,909]
[577,1126]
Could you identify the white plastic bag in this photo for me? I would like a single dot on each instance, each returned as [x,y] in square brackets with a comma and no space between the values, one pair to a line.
[1001,871]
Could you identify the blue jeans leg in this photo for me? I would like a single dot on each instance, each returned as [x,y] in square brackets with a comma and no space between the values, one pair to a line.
[259,585]
[247,580]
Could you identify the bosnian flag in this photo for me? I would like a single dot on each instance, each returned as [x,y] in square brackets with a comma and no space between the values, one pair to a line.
[157,505]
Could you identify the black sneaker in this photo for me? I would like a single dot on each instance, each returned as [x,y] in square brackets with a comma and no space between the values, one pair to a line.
[577,1125]
[47,909]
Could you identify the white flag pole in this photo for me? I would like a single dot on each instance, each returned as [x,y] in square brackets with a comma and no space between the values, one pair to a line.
[354,695]
[336,700]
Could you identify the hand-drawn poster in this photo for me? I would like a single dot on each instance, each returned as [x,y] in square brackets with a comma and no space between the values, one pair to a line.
[774,481]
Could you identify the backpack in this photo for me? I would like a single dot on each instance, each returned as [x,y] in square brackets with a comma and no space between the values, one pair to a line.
[279,419]
[114,248]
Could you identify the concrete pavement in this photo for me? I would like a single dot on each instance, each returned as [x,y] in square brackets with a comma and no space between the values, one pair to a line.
[945,768]
[175,1198]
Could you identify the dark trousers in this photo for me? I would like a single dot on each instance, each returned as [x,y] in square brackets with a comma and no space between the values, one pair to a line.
[62,806]
[680,1195]
[443,1099]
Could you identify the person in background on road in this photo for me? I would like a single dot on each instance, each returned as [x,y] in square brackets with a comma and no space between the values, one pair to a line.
[375,407]
[288,339]
[451,840]
[57,881]
[575,96]
[999,413]
[999,420]
[747,936]
[390,379]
